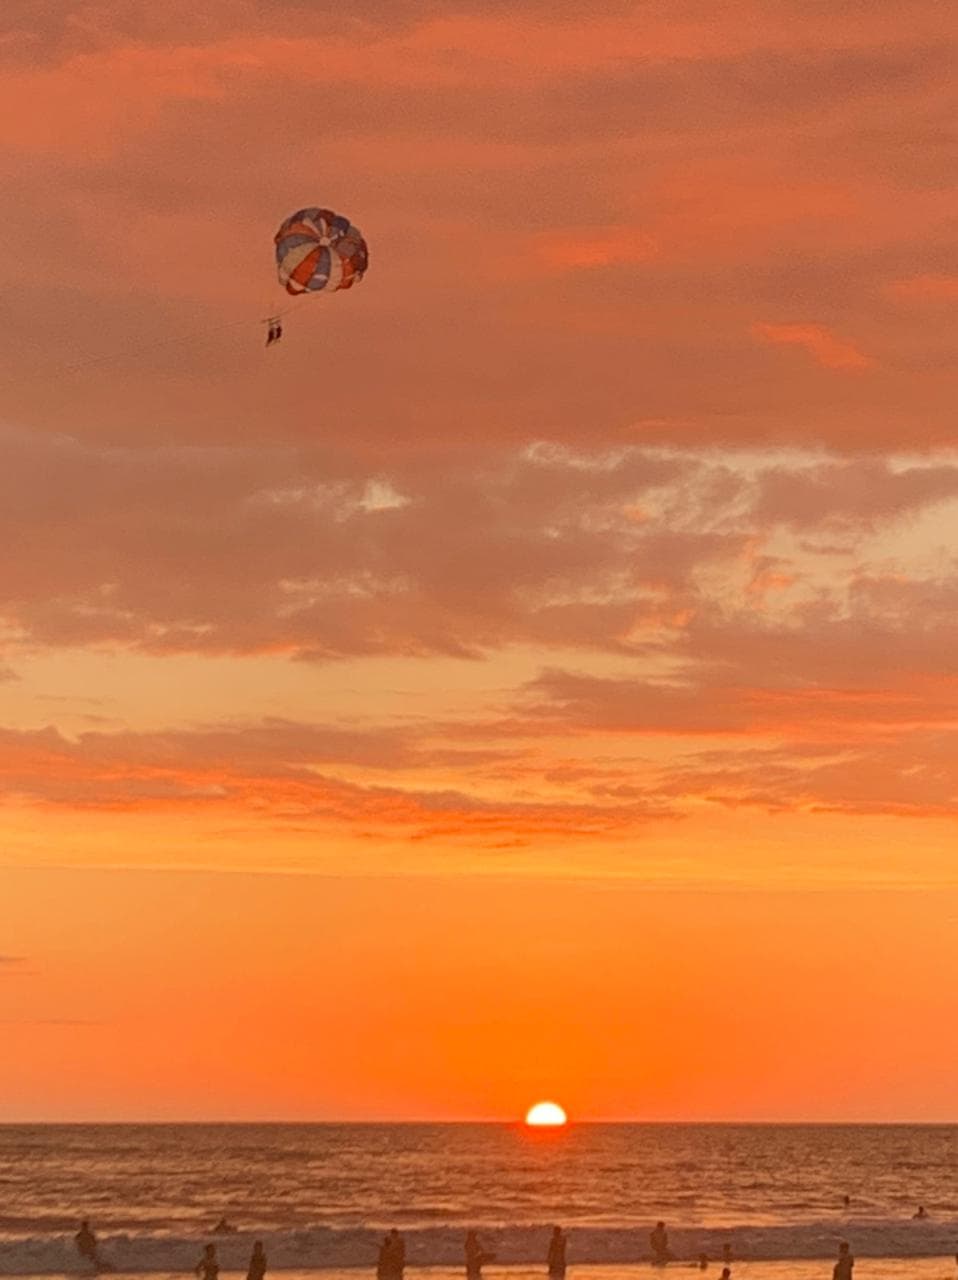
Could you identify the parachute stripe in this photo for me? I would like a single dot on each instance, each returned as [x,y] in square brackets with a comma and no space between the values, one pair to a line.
[303,272]
[297,229]
[334,271]
[294,256]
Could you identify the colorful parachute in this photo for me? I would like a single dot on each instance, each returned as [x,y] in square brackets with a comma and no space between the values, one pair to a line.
[318,249]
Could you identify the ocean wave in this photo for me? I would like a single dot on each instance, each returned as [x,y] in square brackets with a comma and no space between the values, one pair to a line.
[323,1247]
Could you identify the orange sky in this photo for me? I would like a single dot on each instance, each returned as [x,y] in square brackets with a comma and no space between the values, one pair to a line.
[543,662]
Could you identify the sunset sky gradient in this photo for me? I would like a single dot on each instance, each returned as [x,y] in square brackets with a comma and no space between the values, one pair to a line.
[537,676]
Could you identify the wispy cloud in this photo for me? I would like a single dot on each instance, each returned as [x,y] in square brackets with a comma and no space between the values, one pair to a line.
[825,348]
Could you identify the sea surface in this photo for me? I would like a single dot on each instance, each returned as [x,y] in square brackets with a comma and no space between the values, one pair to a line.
[320,1196]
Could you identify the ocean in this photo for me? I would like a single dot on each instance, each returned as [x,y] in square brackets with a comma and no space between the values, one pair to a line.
[320,1196]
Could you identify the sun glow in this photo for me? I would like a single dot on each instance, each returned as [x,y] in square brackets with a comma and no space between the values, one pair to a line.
[545,1113]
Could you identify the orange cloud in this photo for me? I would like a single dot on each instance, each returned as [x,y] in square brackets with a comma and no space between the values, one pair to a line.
[828,350]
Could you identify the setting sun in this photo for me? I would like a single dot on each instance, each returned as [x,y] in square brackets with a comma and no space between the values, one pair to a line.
[545,1113]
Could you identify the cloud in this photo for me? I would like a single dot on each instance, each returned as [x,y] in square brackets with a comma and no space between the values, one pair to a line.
[821,344]
[282,551]
[854,494]
[233,551]
[913,776]
[269,775]
[705,600]
[549,421]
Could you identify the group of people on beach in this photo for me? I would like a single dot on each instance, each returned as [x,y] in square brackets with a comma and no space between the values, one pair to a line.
[391,1260]
[208,1267]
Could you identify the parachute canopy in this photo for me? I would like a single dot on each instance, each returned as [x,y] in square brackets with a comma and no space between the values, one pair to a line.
[318,249]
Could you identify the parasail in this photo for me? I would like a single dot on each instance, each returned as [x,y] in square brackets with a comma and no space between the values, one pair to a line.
[317,249]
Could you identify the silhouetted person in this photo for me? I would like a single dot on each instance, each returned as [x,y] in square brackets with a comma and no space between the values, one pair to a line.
[703,1262]
[87,1246]
[208,1268]
[382,1260]
[727,1254]
[395,1255]
[476,1256]
[847,1201]
[726,1273]
[659,1240]
[557,1253]
[842,1269]
[257,1262]
[921,1212]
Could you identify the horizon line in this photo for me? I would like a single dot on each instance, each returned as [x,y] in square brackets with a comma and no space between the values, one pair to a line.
[516,1121]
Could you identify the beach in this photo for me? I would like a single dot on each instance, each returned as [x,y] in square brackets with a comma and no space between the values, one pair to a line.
[792,1269]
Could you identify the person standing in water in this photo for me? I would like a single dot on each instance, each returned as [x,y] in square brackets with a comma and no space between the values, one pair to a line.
[556,1259]
[395,1255]
[659,1240]
[476,1256]
[87,1246]
[845,1265]
[208,1268]
[382,1260]
[257,1262]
